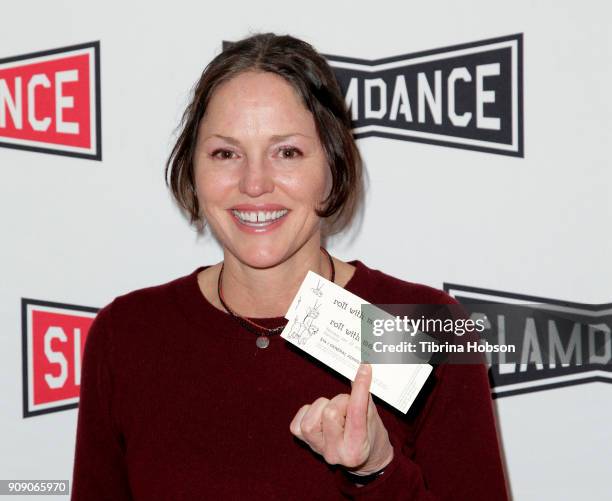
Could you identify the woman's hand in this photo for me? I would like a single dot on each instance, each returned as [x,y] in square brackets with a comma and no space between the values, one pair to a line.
[347,429]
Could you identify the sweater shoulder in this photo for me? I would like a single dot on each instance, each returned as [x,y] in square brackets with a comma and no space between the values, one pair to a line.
[137,322]
[386,288]
[145,304]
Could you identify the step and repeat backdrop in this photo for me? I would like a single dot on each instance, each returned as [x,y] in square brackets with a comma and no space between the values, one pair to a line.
[485,130]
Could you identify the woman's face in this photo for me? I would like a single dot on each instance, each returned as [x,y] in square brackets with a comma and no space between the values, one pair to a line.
[260,169]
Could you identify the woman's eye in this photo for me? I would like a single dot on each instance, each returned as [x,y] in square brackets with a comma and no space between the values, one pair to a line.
[222,154]
[290,152]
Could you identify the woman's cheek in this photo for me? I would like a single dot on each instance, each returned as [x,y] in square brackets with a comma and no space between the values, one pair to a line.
[304,187]
[213,185]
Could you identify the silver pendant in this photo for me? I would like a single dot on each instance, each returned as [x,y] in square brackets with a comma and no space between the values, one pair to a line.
[262,341]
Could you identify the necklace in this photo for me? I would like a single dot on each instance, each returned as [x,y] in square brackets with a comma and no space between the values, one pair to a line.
[262,332]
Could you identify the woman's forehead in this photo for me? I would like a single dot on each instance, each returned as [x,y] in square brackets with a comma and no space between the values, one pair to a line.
[256,89]
[257,102]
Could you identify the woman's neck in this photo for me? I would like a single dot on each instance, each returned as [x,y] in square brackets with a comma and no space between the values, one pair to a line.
[268,292]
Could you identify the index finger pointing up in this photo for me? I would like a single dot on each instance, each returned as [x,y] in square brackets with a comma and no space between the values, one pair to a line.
[357,411]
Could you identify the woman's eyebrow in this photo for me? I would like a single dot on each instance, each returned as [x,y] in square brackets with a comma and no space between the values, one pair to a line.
[229,139]
[276,137]
[281,137]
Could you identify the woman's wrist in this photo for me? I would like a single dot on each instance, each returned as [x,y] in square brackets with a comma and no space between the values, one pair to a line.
[363,478]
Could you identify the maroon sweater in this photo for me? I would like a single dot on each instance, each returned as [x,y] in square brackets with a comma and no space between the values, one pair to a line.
[177,403]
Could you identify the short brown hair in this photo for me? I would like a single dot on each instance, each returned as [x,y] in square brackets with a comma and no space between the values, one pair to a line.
[314,81]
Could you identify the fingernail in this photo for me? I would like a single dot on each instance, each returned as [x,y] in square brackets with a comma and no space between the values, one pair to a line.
[364,369]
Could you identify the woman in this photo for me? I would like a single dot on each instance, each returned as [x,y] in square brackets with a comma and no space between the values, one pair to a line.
[187,390]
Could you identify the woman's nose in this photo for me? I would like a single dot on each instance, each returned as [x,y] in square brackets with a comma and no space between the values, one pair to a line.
[256,177]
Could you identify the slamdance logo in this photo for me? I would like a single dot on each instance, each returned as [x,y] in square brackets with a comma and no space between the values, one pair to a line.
[558,343]
[466,96]
[50,101]
[53,338]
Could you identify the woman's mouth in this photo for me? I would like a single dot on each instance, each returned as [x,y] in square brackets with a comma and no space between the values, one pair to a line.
[259,220]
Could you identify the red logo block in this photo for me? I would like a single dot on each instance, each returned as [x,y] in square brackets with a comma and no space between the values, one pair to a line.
[50,101]
[53,340]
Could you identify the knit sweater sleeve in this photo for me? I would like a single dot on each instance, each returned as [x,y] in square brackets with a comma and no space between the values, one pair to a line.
[455,454]
[99,470]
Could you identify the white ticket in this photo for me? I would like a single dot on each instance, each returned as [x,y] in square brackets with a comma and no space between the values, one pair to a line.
[325,322]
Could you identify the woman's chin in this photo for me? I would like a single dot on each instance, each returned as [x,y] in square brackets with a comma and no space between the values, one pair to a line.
[263,256]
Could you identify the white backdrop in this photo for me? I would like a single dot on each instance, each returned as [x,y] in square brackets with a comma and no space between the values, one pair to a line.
[81,231]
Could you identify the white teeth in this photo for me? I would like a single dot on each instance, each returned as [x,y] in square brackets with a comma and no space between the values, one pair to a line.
[259,216]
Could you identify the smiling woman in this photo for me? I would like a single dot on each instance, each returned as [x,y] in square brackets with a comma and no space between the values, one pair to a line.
[177,402]
[302,76]
[260,169]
